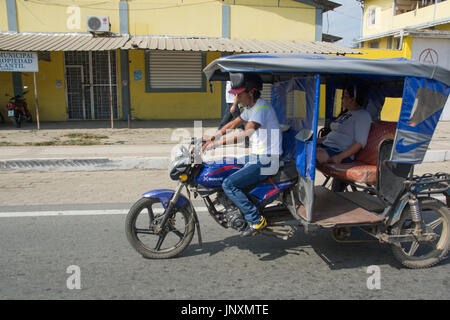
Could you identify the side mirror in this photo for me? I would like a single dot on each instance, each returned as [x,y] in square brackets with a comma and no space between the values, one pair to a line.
[211,88]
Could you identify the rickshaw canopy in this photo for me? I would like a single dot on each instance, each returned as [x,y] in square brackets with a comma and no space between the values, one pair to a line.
[323,64]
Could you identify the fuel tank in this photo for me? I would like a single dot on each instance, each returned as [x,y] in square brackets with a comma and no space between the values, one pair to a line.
[213,173]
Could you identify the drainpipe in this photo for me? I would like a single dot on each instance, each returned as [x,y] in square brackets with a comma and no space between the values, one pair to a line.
[124,64]
[226,30]
[400,44]
[11,13]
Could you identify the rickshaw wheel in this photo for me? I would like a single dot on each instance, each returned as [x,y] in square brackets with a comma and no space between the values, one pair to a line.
[424,254]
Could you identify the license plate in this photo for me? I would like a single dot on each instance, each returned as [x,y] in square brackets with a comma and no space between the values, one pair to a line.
[10,113]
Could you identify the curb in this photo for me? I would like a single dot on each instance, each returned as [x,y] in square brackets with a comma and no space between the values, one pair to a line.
[92,164]
[126,163]
[437,156]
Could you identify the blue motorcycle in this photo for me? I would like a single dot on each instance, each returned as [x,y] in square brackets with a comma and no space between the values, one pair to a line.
[162,223]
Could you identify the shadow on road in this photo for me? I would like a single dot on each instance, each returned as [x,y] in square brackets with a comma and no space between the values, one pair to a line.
[336,255]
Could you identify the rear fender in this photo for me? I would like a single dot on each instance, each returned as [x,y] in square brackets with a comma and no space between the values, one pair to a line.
[164,195]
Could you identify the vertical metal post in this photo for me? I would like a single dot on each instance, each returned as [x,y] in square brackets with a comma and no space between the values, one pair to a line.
[110,91]
[36,101]
[91,85]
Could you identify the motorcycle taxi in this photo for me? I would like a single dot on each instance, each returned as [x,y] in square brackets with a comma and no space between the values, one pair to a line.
[377,193]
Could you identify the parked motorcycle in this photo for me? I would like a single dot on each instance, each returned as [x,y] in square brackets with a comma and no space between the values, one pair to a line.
[18,109]
[161,224]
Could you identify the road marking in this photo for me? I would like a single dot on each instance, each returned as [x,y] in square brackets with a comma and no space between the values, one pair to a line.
[75,213]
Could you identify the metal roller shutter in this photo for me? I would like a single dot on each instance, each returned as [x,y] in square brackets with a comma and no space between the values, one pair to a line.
[175,70]
[266,92]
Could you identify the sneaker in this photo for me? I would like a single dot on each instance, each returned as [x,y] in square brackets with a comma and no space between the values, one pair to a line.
[254,229]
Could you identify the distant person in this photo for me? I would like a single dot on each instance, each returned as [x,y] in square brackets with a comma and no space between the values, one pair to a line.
[233,111]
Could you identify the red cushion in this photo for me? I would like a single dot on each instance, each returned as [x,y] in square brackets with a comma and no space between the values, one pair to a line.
[379,131]
[355,171]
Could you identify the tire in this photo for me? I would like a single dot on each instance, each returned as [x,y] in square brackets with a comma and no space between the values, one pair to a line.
[144,216]
[417,255]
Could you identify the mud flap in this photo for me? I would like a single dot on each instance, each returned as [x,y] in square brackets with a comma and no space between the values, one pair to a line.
[164,195]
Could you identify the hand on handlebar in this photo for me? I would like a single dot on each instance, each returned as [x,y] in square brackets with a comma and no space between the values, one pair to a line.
[208,145]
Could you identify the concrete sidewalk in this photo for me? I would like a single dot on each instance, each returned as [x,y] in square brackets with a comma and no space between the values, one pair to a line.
[148,156]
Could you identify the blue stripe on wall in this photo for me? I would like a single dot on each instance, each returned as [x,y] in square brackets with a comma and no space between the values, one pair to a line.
[226,21]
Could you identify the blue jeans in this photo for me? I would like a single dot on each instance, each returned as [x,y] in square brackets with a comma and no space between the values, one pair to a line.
[255,170]
[333,151]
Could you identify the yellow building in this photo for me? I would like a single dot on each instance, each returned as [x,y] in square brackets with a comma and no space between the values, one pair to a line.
[144,58]
[418,30]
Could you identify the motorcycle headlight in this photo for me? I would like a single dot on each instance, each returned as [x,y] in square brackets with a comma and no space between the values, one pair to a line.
[180,164]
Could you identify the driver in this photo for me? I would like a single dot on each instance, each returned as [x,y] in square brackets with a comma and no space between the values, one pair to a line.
[264,129]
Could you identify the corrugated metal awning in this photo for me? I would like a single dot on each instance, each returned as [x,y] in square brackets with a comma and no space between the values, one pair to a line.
[235,45]
[11,41]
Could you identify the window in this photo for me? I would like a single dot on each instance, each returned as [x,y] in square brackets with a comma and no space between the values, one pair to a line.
[403,6]
[426,103]
[374,44]
[373,16]
[175,71]
[295,105]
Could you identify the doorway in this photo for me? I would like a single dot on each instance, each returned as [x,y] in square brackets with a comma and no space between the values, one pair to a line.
[88,84]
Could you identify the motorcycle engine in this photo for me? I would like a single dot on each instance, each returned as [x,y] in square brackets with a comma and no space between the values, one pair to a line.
[236,220]
[231,216]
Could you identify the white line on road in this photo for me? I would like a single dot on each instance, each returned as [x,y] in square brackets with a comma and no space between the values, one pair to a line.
[95,212]
[75,213]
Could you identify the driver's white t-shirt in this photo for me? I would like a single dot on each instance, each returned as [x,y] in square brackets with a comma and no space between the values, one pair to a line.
[267,138]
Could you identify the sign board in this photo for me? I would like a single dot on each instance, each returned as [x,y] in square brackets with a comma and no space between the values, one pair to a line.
[434,51]
[18,61]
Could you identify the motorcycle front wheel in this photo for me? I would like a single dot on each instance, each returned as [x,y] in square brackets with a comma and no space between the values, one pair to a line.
[152,241]
[423,254]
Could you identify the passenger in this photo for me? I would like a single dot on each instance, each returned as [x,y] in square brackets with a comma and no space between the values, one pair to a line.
[349,131]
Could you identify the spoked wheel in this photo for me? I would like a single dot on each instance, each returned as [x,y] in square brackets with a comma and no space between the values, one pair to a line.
[423,254]
[145,234]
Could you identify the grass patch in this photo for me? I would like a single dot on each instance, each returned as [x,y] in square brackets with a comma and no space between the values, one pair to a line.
[85,136]
[69,139]
[42,143]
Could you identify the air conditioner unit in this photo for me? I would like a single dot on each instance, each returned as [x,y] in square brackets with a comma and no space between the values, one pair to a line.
[98,24]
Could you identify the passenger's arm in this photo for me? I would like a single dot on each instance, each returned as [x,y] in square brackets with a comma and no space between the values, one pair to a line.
[223,131]
[250,128]
[353,149]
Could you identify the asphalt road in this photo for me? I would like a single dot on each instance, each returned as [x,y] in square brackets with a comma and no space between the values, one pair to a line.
[37,253]
[81,252]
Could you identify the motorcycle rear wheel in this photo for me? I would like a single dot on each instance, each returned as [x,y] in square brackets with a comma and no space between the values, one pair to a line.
[424,254]
[143,221]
